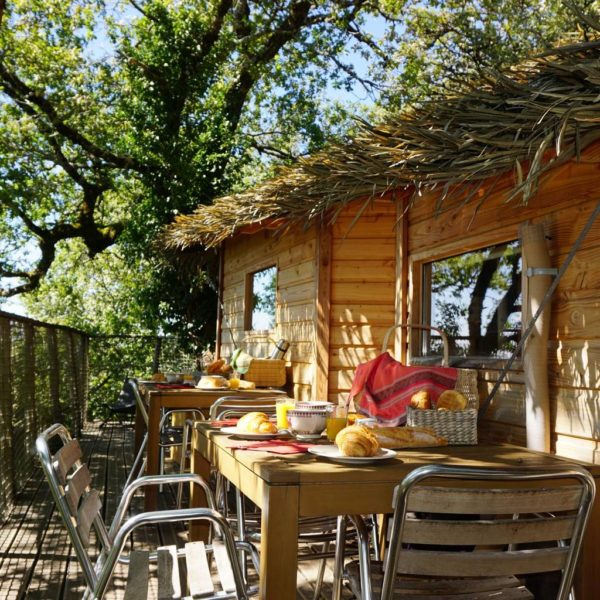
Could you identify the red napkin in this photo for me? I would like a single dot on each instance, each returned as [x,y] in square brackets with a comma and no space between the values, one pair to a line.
[388,385]
[274,446]
[224,423]
[173,386]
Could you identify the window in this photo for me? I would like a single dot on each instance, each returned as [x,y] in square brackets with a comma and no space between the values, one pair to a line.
[476,299]
[261,287]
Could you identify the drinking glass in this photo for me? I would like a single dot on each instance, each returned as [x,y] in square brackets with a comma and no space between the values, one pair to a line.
[281,410]
[336,421]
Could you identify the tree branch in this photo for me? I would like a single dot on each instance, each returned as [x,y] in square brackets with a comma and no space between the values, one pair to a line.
[32,102]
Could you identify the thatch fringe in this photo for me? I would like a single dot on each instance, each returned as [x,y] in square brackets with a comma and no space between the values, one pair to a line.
[521,121]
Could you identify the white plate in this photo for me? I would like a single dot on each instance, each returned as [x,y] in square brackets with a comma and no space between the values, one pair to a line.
[333,453]
[250,436]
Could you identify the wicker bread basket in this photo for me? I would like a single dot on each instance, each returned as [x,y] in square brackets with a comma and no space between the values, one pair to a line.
[266,372]
[459,427]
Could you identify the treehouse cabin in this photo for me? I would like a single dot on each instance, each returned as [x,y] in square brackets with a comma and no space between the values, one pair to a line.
[425,219]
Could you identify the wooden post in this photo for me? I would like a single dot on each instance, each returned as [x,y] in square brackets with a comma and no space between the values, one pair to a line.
[320,386]
[402,275]
[30,399]
[54,374]
[7,472]
[157,353]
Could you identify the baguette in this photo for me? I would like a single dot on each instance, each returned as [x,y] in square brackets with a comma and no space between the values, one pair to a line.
[407,437]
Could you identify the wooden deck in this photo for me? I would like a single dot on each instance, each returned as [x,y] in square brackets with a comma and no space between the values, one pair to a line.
[36,559]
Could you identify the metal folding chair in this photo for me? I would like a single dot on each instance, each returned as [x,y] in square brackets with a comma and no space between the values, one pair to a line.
[469,532]
[81,510]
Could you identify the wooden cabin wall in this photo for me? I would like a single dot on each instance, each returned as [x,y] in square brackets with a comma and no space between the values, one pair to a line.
[362,293]
[293,252]
[563,204]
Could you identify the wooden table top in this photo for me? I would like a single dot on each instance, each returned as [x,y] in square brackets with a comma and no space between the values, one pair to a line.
[286,469]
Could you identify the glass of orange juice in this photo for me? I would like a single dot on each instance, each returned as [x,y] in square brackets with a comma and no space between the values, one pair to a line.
[336,421]
[281,410]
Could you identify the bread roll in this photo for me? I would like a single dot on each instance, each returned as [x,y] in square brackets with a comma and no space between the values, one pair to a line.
[420,400]
[256,422]
[215,366]
[451,400]
[407,437]
[356,440]
[208,382]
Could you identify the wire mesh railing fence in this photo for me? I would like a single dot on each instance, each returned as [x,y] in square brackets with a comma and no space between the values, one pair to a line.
[50,374]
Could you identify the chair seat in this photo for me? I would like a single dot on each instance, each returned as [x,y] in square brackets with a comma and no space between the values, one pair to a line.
[422,588]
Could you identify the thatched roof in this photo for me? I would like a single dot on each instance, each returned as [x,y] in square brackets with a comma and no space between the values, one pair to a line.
[523,121]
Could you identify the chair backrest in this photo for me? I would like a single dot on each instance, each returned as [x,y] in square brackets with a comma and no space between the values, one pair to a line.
[506,522]
[70,483]
[227,406]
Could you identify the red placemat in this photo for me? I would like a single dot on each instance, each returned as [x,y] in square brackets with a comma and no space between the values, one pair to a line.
[173,386]
[274,446]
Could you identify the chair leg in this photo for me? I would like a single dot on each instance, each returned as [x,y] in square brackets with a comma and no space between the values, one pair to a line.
[321,572]
[241,523]
[364,556]
[338,565]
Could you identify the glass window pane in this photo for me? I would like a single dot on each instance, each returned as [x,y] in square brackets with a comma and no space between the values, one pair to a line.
[476,299]
[264,286]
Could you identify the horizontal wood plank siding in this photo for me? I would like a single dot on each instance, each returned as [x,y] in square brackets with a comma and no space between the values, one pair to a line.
[362,289]
[563,205]
[293,253]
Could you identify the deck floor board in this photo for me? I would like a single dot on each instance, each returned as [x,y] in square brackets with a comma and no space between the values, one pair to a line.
[37,561]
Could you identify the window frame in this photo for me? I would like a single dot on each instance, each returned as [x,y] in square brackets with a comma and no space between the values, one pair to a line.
[248,297]
[420,308]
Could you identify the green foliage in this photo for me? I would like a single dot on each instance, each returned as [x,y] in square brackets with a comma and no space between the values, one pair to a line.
[116,117]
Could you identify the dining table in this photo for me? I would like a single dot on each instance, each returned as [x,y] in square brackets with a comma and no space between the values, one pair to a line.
[287,487]
[161,397]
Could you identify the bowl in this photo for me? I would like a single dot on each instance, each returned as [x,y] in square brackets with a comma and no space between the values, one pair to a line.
[307,423]
[315,405]
[174,377]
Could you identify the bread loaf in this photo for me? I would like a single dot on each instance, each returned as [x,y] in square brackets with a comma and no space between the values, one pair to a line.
[420,400]
[209,382]
[356,440]
[407,437]
[451,400]
[256,422]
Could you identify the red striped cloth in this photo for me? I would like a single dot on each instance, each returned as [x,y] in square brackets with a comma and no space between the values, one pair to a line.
[388,385]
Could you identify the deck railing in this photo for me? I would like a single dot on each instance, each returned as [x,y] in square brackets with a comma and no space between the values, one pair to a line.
[50,373]
[43,379]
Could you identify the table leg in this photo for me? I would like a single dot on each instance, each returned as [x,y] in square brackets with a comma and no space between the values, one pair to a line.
[279,543]
[200,466]
[152,451]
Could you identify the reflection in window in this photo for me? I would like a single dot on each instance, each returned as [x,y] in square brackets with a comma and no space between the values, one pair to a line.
[263,294]
[476,299]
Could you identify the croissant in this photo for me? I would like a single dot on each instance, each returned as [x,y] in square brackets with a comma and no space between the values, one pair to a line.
[356,440]
[256,422]
[451,400]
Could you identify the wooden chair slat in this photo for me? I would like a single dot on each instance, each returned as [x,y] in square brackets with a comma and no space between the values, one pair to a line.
[76,486]
[223,566]
[199,579]
[459,588]
[137,576]
[472,564]
[487,501]
[492,532]
[169,584]
[65,458]
[87,512]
